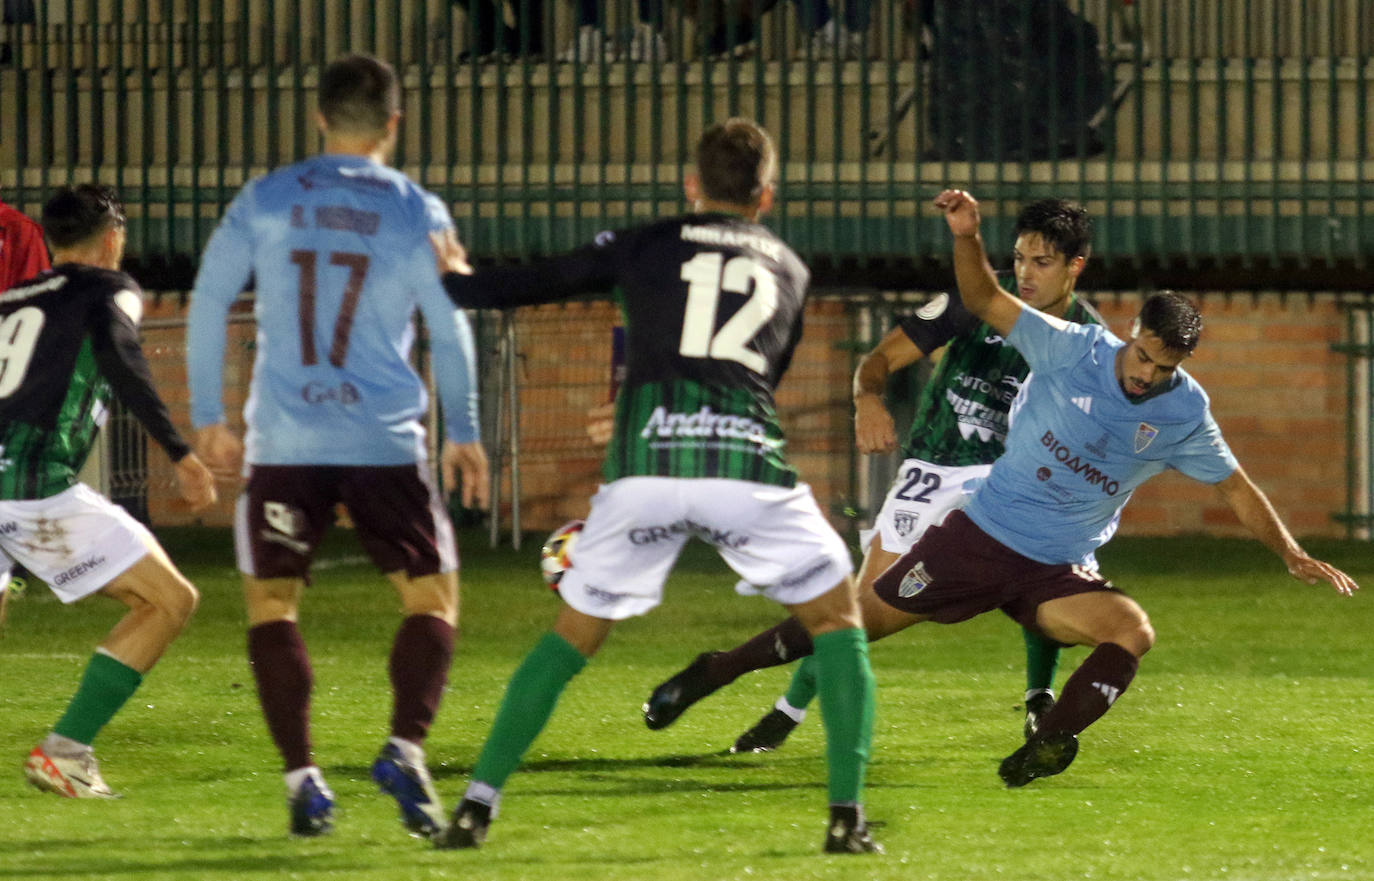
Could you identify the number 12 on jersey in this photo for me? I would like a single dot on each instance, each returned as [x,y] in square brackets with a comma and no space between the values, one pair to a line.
[709,273]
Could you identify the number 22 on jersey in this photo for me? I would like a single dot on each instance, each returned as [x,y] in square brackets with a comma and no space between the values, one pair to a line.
[709,273]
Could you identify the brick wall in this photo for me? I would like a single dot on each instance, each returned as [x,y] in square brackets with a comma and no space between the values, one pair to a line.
[1278,392]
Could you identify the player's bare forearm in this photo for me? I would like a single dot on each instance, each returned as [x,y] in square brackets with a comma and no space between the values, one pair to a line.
[1255,512]
[874,431]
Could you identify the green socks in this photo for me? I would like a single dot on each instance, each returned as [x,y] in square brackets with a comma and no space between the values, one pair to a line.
[104,688]
[531,694]
[802,689]
[1042,657]
[846,687]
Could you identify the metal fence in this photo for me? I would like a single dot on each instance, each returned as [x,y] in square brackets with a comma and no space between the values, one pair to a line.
[1220,144]
[1226,135]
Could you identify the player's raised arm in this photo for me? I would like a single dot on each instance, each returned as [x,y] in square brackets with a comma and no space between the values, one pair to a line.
[1258,515]
[589,269]
[977,284]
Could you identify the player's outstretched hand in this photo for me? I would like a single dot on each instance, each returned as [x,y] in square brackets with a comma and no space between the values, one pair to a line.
[1307,569]
[874,431]
[465,465]
[449,253]
[221,451]
[961,212]
[196,482]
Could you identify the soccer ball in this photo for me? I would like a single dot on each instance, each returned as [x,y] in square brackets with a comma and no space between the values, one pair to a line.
[553,556]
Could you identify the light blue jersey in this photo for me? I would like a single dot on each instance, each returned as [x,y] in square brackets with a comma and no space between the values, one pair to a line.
[1078,447]
[340,251]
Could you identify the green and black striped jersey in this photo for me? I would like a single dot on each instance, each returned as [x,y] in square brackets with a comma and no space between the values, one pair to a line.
[713,312]
[68,340]
[961,413]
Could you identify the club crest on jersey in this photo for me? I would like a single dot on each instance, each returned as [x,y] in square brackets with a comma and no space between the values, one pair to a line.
[1144,434]
[905,522]
[914,581]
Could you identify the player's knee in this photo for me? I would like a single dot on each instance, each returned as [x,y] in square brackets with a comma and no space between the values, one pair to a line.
[1137,638]
[435,595]
[178,601]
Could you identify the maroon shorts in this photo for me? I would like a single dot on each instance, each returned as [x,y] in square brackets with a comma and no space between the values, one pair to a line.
[286,509]
[957,571]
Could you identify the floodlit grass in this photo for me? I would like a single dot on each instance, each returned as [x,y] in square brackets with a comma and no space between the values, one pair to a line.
[1241,752]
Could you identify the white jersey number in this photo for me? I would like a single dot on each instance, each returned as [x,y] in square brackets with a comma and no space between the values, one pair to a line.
[18,334]
[707,274]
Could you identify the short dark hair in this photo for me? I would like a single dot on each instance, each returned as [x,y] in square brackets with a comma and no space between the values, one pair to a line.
[735,161]
[1173,318]
[75,214]
[359,93]
[1061,223]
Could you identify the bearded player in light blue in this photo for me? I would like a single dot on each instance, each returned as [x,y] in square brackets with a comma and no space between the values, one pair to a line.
[1100,417]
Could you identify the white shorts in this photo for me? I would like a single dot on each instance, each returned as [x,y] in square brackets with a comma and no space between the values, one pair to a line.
[77,541]
[921,497]
[775,538]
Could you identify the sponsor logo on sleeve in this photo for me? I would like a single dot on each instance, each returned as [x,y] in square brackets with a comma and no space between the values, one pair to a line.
[934,309]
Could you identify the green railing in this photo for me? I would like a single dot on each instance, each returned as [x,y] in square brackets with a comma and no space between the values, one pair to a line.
[1358,349]
[1224,140]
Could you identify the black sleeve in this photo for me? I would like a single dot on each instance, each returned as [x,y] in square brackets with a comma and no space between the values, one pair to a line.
[938,322]
[115,344]
[590,269]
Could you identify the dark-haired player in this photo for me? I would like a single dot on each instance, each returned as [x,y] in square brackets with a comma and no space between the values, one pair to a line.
[1098,418]
[68,343]
[339,247]
[713,303]
[959,428]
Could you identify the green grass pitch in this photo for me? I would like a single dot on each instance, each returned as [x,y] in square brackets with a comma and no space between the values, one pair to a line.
[1241,752]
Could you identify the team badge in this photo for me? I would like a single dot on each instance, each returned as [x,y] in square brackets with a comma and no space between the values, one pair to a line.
[905,522]
[915,581]
[1144,433]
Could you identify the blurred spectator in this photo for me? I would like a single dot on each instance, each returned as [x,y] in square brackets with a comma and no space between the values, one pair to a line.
[16,12]
[645,40]
[728,27]
[510,28]
[827,35]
